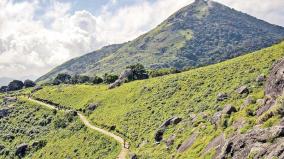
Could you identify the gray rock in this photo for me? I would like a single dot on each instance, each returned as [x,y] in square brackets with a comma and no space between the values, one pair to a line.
[261,78]
[217,144]
[160,132]
[275,83]
[269,102]
[4,112]
[222,96]
[92,106]
[170,140]
[187,143]
[176,120]
[229,109]
[256,140]
[216,118]
[260,101]
[243,90]
[121,79]
[21,150]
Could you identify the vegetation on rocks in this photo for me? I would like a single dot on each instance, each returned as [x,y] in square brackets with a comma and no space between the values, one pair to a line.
[136,110]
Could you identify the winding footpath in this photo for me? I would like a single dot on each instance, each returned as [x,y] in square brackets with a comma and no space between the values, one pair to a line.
[124,151]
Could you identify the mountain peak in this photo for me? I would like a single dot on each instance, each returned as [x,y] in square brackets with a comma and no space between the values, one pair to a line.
[199,34]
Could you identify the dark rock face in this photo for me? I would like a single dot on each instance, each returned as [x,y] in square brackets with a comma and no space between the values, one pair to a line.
[275,83]
[21,150]
[160,132]
[4,112]
[229,109]
[243,90]
[256,142]
[133,156]
[92,106]
[222,96]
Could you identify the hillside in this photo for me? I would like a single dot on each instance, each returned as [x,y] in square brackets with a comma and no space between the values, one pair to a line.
[199,34]
[29,130]
[219,109]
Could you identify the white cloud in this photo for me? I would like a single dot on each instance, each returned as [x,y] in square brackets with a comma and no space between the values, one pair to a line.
[31,45]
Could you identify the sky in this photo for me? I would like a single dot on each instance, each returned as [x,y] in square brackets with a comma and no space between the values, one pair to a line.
[38,35]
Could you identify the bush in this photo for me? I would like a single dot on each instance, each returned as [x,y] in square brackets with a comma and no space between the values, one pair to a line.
[15,85]
[139,72]
[109,78]
[97,80]
[62,78]
[29,83]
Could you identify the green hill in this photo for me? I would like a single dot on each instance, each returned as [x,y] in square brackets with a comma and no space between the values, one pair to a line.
[137,109]
[28,130]
[202,33]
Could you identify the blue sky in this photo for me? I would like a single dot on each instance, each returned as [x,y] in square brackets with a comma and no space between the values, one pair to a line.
[38,35]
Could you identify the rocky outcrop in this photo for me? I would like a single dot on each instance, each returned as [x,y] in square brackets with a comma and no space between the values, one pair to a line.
[37,88]
[217,144]
[275,83]
[122,78]
[21,150]
[229,109]
[160,132]
[4,112]
[256,142]
[187,143]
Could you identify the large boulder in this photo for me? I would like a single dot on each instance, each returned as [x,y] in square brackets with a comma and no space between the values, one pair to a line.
[123,77]
[160,132]
[229,109]
[275,83]
[22,149]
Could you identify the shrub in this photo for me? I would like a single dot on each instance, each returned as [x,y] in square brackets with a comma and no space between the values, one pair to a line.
[15,85]
[139,72]
[109,78]
[97,80]
[62,78]
[29,83]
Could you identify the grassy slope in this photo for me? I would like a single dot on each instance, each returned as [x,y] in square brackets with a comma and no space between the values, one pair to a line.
[26,124]
[138,108]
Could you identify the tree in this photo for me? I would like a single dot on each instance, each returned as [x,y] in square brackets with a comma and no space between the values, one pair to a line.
[97,80]
[29,83]
[139,72]
[15,85]
[84,79]
[62,78]
[109,78]
[3,89]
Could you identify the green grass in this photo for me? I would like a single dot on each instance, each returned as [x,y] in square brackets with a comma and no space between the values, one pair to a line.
[63,135]
[138,108]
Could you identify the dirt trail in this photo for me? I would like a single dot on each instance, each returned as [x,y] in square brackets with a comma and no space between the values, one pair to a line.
[124,151]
